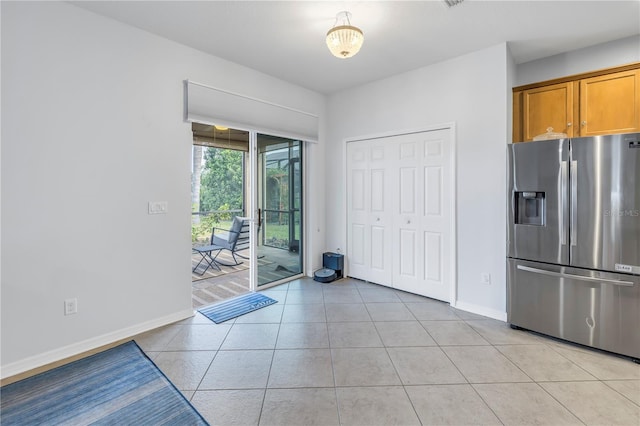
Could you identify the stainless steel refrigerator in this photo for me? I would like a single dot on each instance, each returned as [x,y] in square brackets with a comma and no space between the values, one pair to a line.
[574,240]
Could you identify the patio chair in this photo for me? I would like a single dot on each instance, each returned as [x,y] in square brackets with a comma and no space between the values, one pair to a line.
[235,239]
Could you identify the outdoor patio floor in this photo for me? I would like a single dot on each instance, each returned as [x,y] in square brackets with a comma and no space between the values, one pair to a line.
[214,286]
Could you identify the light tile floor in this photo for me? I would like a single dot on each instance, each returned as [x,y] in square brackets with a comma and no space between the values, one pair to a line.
[354,353]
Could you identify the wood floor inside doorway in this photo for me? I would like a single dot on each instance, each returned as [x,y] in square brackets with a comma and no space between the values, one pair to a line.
[215,289]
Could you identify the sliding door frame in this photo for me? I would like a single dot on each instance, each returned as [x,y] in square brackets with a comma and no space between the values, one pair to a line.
[252,201]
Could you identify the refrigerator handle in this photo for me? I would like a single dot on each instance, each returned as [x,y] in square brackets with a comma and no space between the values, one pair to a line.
[574,203]
[575,277]
[563,202]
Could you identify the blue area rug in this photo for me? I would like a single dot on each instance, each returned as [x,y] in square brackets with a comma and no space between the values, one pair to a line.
[233,308]
[119,386]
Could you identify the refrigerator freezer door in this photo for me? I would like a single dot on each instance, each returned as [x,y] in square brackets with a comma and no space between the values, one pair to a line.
[605,203]
[593,308]
[538,219]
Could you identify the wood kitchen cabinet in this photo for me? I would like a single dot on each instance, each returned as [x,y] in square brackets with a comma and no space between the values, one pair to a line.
[596,103]
[610,104]
[547,106]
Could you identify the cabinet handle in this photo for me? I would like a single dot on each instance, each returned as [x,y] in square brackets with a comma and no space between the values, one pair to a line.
[569,124]
[584,123]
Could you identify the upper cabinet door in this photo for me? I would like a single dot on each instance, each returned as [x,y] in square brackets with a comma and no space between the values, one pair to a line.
[548,106]
[610,104]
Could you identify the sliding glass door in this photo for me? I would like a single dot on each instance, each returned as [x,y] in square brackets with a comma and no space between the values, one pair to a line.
[240,173]
[279,206]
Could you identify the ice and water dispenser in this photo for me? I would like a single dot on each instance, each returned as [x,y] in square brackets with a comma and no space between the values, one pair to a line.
[529,208]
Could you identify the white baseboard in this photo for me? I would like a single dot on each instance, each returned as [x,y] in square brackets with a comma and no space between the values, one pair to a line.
[481,310]
[87,345]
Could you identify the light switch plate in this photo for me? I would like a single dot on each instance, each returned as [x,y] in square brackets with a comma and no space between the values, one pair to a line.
[158,207]
[71,306]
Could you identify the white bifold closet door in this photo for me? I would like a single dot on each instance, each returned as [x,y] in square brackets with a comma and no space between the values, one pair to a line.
[369,254]
[399,217]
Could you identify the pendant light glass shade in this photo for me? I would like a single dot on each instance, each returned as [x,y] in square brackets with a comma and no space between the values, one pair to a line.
[345,40]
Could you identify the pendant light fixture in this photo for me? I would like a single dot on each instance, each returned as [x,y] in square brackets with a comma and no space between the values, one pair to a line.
[344,40]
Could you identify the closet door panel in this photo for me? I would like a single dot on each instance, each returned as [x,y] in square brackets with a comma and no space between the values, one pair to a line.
[433,257]
[369,250]
[409,273]
[377,191]
[437,218]
[357,191]
[407,190]
[408,265]
[433,191]
[358,254]
[379,214]
[378,254]
[357,205]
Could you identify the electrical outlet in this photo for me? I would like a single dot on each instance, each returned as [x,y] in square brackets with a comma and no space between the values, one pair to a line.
[485,278]
[71,306]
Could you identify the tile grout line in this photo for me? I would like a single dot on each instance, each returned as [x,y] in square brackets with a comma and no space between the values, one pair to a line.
[395,367]
[212,360]
[273,355]
[620,393]
[333,370]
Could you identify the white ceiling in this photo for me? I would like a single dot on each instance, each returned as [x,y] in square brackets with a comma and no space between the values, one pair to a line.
[286,39]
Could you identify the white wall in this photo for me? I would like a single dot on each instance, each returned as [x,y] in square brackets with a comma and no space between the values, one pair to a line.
[471,91]
[92,129]
[614,53]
